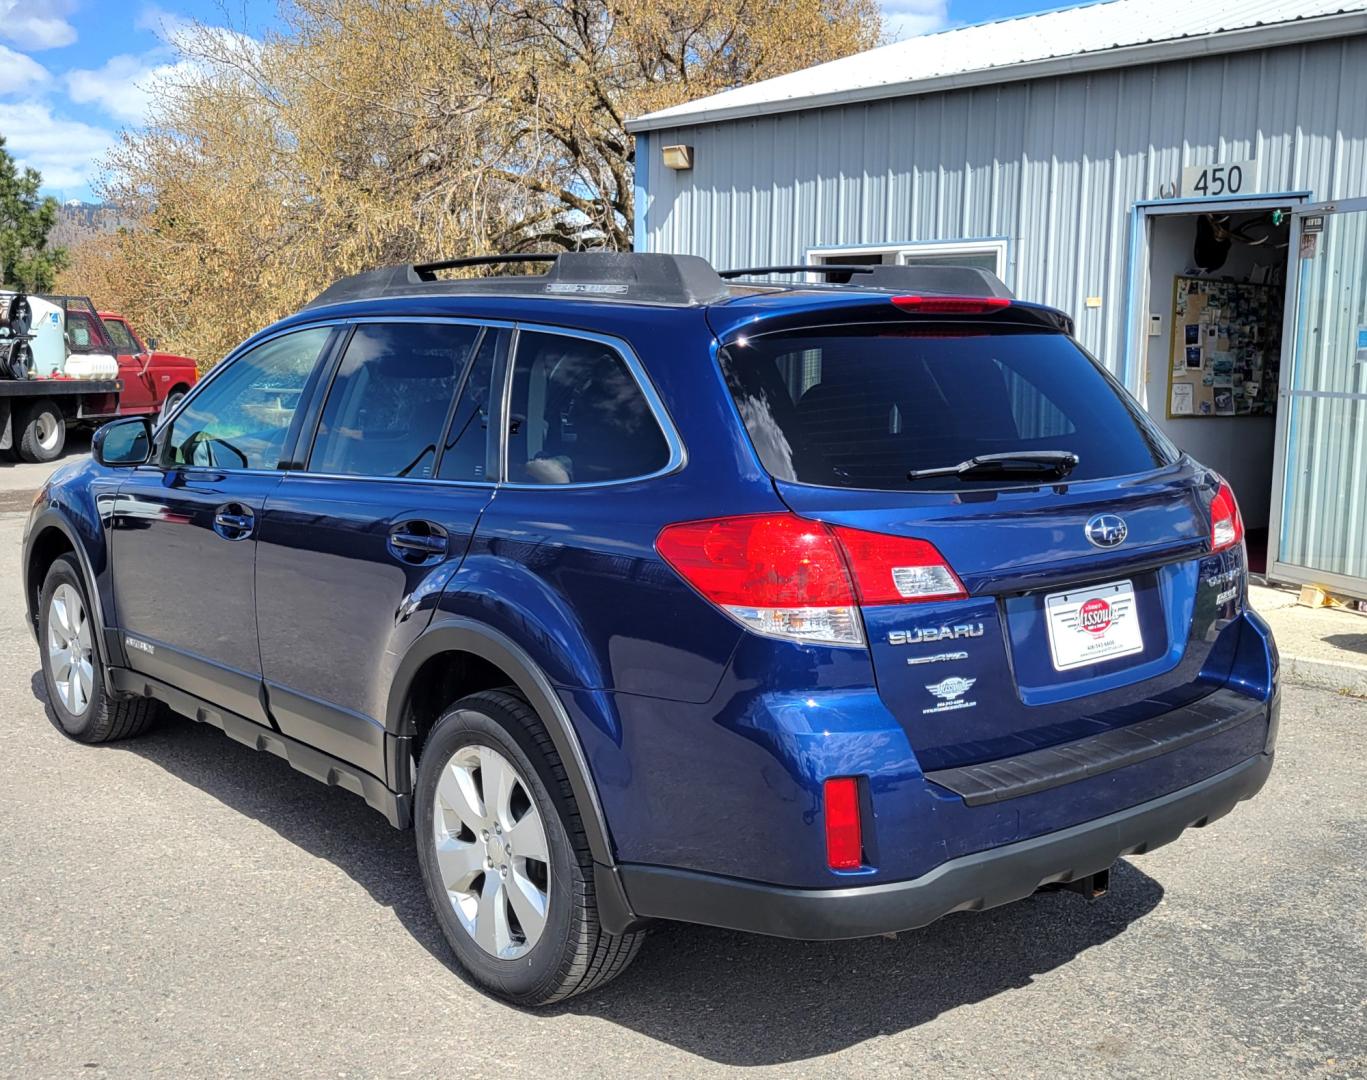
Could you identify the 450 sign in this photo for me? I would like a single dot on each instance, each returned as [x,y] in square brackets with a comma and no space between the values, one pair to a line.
[1211,181]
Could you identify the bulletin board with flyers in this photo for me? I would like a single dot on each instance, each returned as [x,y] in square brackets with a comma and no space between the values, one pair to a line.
[1226,346]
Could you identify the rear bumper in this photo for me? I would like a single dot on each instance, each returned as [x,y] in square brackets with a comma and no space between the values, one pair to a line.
[974,882]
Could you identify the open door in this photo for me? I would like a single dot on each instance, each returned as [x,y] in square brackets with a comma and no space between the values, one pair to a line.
[1319,512]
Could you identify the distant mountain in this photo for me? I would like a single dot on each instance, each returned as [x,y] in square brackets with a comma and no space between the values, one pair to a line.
[77,221]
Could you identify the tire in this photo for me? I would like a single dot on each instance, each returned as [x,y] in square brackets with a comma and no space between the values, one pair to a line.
[570,953]
[82,706]
[43,433]
[174,398]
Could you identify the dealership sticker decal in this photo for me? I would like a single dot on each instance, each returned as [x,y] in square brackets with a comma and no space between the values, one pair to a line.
[950,691]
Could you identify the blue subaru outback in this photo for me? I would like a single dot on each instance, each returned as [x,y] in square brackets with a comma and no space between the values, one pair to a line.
[817,609]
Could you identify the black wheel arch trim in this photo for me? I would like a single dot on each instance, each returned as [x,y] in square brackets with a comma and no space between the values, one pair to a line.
[466,635]
[53,517]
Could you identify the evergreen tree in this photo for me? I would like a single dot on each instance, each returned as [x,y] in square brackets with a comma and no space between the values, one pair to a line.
[25,220]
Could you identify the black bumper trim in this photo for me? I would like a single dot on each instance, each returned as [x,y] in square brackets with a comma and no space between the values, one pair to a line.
[1054,766]
[974,882]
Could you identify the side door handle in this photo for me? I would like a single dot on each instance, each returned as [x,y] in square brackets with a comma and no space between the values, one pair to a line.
[418,543]
[233,521]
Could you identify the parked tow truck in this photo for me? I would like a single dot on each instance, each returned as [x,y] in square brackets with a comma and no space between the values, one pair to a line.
[62,364]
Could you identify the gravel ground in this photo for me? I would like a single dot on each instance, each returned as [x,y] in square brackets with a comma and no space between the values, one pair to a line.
[179,906]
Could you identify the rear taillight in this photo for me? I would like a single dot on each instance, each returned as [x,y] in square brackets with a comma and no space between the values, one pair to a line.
[844,836]
[787,577]
[951,305]
[896,569]
[1226,523]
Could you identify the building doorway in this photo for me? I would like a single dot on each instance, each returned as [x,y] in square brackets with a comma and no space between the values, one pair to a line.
[1216,287]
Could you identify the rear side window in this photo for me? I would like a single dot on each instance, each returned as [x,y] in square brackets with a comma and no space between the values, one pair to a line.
[578,416]
[386,411]
[860,406]
[85,333]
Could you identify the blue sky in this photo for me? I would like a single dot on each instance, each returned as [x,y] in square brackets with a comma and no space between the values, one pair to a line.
[74,72]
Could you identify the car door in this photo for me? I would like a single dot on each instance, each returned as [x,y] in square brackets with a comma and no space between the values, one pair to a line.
[356,547]
[184,530]
[136,396]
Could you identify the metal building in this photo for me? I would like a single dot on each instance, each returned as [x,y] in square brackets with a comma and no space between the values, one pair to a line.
[1100,159]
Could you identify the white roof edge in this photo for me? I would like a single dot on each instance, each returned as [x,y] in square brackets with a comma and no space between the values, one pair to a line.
[1150,52]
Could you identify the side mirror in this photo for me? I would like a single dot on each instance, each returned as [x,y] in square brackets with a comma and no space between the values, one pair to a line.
[151,344]
[123,443]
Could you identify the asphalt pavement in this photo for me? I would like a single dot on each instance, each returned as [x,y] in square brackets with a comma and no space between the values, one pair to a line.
[179,906]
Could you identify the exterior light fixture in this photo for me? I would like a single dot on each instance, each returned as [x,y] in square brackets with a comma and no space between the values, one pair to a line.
[678,156]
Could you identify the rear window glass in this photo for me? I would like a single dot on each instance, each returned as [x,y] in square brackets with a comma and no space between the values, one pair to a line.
[860,406]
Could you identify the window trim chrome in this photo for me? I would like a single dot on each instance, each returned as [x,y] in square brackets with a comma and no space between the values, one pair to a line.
[678,455]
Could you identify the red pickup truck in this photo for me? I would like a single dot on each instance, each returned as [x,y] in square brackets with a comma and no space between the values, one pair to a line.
[153,382]
[76,366]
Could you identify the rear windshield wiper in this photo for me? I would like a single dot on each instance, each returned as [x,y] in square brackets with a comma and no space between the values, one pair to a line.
[1055,463]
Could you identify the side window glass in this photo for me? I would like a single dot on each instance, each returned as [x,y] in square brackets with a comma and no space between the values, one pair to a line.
[578,416]
[123,340]
[387,408]
[467,442]
[241,418]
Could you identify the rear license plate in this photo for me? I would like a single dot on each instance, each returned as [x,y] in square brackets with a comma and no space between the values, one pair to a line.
[1089,625]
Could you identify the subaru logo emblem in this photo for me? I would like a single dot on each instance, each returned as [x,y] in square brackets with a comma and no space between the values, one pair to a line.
[1106,530]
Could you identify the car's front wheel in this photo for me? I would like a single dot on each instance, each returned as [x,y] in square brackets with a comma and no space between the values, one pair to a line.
[505,858]
[72,672]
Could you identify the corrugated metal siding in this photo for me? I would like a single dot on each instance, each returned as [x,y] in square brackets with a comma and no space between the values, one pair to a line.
[1055,165]
[1324,527]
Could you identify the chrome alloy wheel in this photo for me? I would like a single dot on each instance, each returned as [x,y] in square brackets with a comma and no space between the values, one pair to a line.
[47,430]
[491,851]
[70,652]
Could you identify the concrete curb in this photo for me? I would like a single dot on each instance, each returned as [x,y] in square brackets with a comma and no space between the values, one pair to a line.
[1325,675]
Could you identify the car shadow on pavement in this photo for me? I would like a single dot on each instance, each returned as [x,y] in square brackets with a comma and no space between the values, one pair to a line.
[734,999]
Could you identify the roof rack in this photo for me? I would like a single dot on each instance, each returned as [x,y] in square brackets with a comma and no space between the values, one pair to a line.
[637,277]
[941,280]
[641,277]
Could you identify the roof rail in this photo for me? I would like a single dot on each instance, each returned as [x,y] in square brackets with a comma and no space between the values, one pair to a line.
[922,278]
[632,277]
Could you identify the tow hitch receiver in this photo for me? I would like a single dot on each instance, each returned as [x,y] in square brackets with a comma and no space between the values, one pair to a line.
[1093,886]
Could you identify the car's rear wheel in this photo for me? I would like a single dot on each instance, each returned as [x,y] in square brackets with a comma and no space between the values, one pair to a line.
[505,858]
[43,435]
[72,672]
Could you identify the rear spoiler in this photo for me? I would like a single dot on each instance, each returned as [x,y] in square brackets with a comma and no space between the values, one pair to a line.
[904,311]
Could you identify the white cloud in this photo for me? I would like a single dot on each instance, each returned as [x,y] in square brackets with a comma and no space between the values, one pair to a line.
[167,25]
[115,87]
[21,23]
[126,85]
[19,72]
[66,152]
[909,18]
